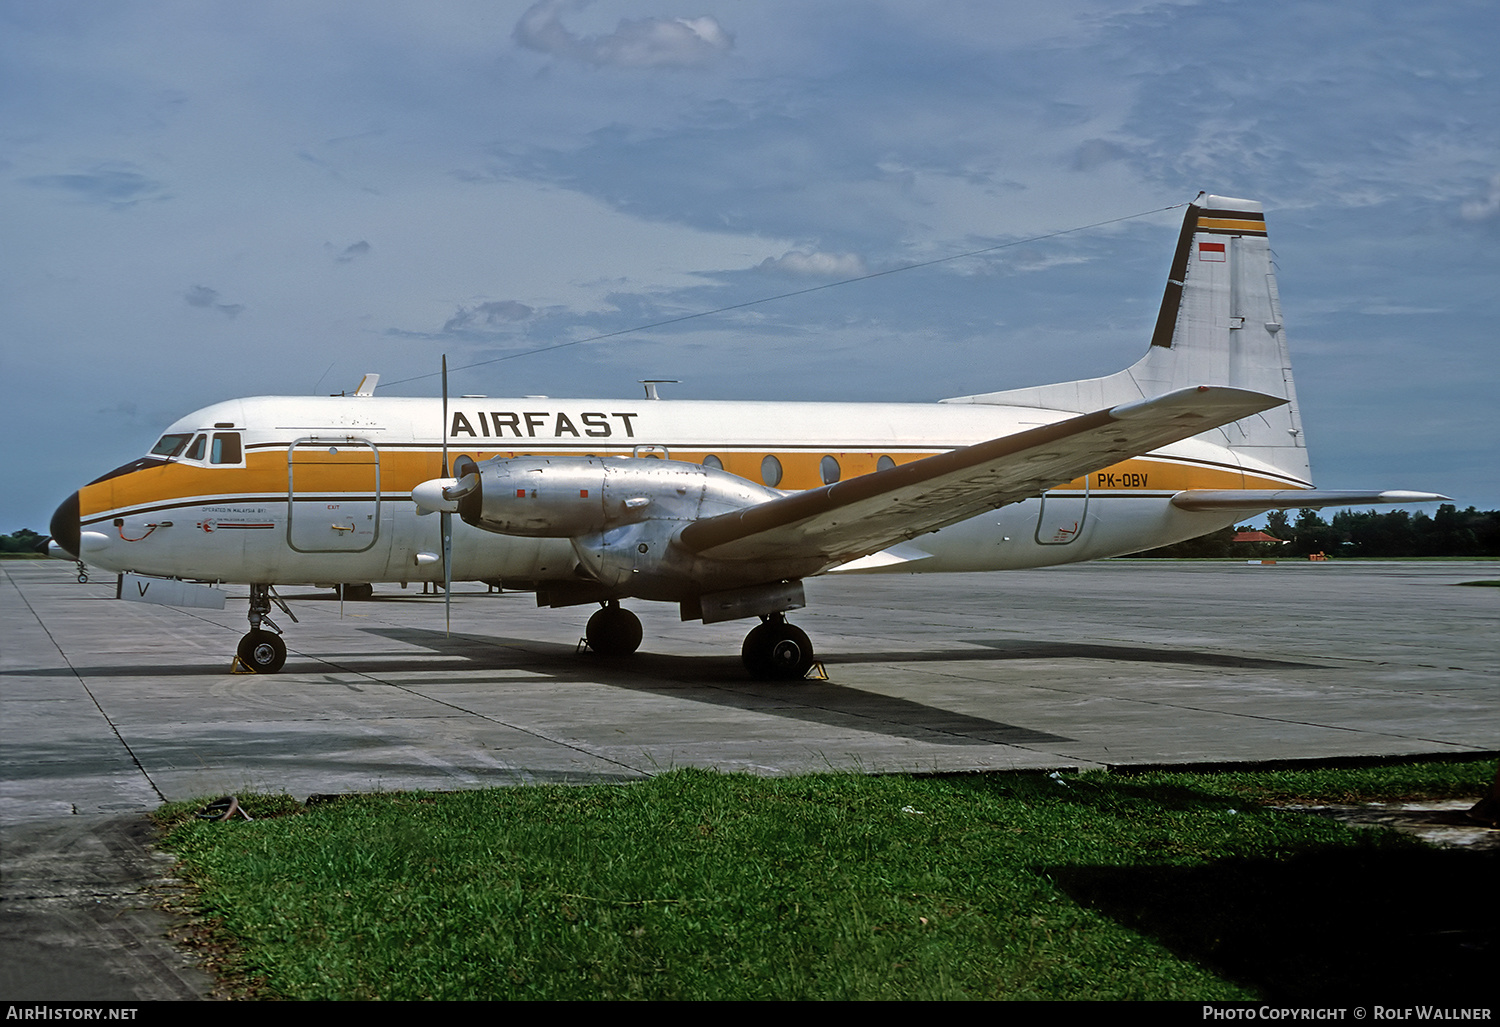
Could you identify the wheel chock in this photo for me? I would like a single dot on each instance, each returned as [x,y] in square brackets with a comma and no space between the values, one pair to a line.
[817,672]
[239,666]
[226,808]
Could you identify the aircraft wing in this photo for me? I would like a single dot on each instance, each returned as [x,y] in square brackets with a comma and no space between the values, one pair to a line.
[864,515]
[1293,499]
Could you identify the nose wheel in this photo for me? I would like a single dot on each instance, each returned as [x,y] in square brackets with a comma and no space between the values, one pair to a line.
[260,650]
[776,650]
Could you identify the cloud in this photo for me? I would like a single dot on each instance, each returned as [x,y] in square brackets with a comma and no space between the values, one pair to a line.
[816,264]
[1486,208]
[203,296]
[111,185]
[353,250]
[640,43]
[488,316]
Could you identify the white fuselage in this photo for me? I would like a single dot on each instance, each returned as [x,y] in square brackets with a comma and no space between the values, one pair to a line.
[318,490]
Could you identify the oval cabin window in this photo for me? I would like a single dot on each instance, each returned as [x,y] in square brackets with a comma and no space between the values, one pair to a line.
[770,471]
[829,468]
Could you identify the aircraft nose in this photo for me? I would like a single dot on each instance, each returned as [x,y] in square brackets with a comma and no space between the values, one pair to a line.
[65,527]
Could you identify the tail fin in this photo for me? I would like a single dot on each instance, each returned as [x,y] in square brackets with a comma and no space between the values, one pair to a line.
[1219,324]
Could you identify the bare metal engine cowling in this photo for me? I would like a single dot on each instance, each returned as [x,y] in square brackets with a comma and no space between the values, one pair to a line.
[621,513]
[574,496]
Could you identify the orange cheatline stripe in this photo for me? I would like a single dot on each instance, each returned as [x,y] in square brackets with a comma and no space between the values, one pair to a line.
[265,477]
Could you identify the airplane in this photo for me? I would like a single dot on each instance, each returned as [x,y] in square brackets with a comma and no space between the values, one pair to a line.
[726,507]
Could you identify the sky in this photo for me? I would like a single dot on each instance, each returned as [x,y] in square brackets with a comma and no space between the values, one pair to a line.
[203,201]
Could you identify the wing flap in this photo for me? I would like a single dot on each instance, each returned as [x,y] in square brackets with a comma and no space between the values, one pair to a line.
[851,519]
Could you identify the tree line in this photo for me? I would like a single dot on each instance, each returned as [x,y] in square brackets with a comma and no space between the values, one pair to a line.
[23,541]
[1398,533]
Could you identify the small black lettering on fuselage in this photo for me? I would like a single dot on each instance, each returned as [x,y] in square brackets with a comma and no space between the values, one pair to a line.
[1127,480]
[527,424]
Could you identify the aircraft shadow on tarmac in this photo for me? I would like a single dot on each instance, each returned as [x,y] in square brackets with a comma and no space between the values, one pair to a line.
[1023,649]
[719,680]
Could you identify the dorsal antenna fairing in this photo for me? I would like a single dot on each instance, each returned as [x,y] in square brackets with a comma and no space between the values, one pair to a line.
[652,383]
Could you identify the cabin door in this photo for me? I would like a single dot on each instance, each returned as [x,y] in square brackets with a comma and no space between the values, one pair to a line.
[333,495]
[1062,516]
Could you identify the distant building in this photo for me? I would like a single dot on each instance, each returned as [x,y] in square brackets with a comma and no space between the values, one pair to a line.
[1257,536]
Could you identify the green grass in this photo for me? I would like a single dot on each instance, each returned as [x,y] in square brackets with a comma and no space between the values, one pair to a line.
[696,885]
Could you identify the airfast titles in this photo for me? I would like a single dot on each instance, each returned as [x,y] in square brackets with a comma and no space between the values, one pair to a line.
[526,424]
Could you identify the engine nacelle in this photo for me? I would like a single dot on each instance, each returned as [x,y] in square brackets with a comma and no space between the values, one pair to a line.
[573,496]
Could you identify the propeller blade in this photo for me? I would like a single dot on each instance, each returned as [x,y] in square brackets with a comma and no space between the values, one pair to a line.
[447,521]
[447,528]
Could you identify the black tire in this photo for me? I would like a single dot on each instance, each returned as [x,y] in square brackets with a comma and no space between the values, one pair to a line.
[613,632]
[262,651]
[777,651]
[355,593]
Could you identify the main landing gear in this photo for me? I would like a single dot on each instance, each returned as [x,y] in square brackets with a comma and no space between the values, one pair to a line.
[263,651]
[774,650]
[777,650]
[613,631]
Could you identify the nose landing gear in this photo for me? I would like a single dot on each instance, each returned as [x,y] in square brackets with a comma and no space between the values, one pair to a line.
[259,650]
[776,650]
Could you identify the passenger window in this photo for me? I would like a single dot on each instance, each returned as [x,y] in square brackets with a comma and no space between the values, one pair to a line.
[830,470]
[885,463]
[195,452]
[170,445]
[226,448]
[714,462]
[770,471]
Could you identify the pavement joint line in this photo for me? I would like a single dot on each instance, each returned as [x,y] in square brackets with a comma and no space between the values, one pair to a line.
[88,691]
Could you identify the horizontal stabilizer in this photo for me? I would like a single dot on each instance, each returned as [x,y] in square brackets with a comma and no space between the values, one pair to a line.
[854,518]
[1293,499]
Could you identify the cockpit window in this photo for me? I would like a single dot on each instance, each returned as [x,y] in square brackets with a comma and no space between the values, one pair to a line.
[171,445]
[195,451]
[226,448]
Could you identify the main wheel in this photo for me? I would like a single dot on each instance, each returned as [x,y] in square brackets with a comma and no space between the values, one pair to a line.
[613,631]
[778,651]
[262,651]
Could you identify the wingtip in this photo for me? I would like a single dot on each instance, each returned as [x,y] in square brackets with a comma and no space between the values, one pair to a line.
[1200,399]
